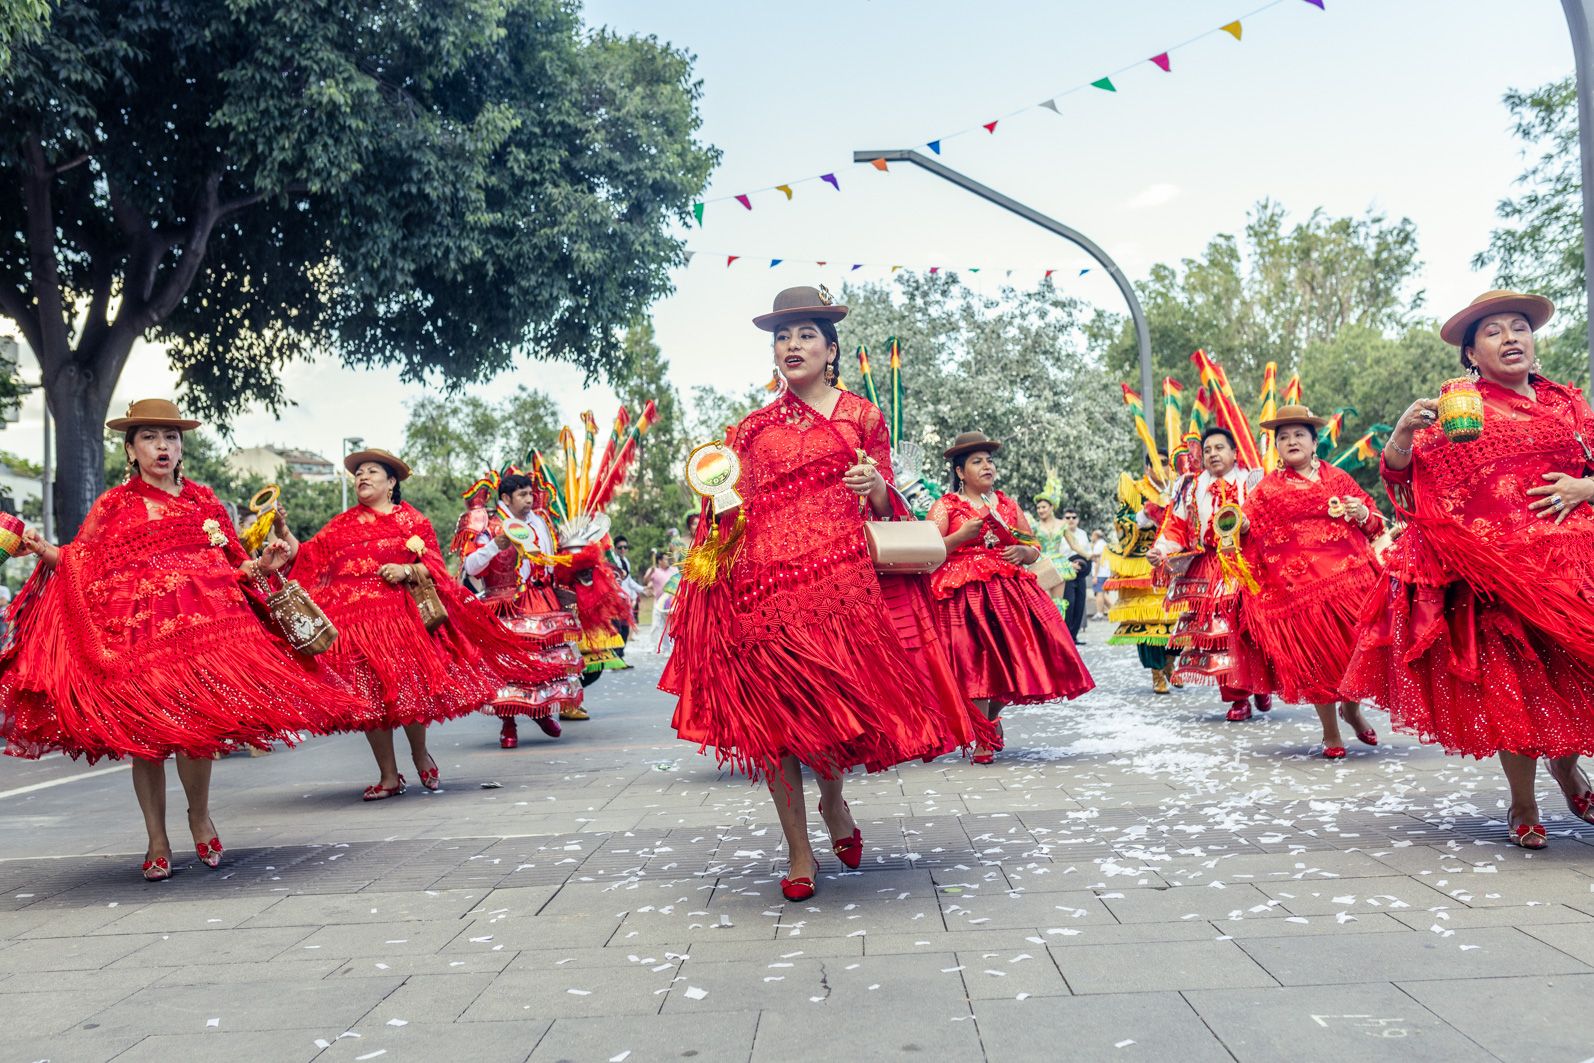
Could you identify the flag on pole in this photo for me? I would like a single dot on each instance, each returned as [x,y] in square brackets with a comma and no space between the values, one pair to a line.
[1270,404]
[1328,438]
[1172,412]
[870,392]
[1364,451]
[1227,409]
[895,349]
[1292,391]
[1138,409]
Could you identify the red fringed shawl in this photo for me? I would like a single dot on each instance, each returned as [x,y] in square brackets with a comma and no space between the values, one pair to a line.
[1314,572]
[798,649]
[143,642]
[383,650]
[1483,637]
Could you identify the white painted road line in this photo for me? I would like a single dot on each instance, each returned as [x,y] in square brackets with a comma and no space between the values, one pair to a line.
[19,791]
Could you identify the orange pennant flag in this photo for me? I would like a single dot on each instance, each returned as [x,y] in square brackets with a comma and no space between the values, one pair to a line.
[1233,29]
[784,188]
[879,164]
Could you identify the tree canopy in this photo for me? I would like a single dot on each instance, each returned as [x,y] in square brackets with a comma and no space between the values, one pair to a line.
[438,187]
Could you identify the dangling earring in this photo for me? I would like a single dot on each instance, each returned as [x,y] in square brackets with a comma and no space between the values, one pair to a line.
[177,473]
[830,374]
[1472,371]
[132,468]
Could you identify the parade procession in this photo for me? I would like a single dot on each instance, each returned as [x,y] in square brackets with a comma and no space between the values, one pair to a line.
[830,603]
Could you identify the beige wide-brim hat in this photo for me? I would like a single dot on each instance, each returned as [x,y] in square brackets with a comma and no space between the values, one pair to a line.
[157,413]
[1536,308]
[801,304]
[382,457]
[968,443]
[1293,414]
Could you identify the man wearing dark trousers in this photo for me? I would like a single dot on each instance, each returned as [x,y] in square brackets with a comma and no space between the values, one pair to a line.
[1076,590]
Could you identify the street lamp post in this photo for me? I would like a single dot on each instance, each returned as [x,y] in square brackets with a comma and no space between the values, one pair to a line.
[350,445]
[1578,21]
[990,195]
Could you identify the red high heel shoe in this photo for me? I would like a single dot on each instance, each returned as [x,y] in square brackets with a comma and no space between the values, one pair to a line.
[848,850]
[1333,752]
[797,889]
[378,792]
[1529,836]
[550,726]
[430,777]
[157,870]
[508,735]
[209,852]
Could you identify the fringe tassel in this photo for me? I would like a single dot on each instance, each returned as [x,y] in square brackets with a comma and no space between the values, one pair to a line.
[706,562]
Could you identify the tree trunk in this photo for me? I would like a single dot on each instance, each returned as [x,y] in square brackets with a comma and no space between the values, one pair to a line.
[79,398]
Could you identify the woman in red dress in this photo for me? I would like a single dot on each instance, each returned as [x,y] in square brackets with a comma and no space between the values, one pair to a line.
[1482,639]
[360,568]
[796,653]
[138,639]
[1311,533]
[1008,643]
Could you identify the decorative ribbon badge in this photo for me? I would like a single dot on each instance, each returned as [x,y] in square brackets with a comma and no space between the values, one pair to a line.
[1336,507]
[713,471]
[1226,525]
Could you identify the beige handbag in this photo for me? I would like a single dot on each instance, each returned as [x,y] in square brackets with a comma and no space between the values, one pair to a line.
[301,621]
[1046,572]
[427,600]
[904,546]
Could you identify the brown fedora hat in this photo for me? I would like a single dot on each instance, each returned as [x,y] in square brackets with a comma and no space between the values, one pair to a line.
[969,442]
[381,457]
[157,413]
[796,304]
[1536,308]
[1292,413]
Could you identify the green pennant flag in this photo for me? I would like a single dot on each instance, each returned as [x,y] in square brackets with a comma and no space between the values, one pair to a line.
[697,212]
[1104,84]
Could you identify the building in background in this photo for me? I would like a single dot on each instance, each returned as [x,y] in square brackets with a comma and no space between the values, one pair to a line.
[276,463]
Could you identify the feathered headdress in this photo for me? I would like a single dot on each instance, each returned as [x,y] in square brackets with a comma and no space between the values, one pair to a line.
[1053,491]
[578,494]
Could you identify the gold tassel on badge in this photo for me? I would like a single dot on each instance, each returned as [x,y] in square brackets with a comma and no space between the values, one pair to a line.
[1226,525]
[713,470]
[264,504]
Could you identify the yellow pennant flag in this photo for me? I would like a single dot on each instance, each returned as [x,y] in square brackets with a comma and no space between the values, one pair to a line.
[784,188]
[1233,29]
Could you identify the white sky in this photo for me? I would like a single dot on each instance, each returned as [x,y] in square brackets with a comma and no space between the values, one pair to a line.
[1391,104]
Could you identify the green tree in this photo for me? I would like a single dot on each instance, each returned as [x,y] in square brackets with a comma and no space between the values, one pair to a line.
[449,441]
[21,21]
[1017,368]
[1270,295]
[656,498]
[1540,248]
[433,186]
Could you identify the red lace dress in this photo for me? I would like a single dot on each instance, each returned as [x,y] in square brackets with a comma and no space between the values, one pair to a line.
[1482,638]
[403,674]
[1314,573]
[799,648]
[1005,636]
[143,641]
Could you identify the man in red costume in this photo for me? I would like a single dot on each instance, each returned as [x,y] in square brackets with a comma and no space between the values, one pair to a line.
[518,584]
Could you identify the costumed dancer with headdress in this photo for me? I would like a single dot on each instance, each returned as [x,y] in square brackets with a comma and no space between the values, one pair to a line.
[1142,612]
[1481,636]
[1202,530]
[1310,542]
[411,642]
[1052,537]
[511,558]
[1008,642]
[789,649]
[139,639]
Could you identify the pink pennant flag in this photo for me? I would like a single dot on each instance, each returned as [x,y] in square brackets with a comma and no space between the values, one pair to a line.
[934,270]
[1049,274]
[744,201]
[1162,61]
[729,259]
[990,127]
[820,264]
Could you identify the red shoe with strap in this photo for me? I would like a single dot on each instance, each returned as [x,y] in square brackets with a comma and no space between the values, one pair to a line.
[1333,752]
[797,889]
[509,734]
[1582,806]
[209,852]
[1529,836]
[848,850]
[378,792]
[430,777]
[157,870]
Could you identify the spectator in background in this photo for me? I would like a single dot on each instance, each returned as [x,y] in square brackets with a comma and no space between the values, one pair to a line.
[620,561]
[1075,589]
[1098,572]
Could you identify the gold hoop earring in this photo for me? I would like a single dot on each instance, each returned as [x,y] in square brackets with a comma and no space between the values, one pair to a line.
[830,374]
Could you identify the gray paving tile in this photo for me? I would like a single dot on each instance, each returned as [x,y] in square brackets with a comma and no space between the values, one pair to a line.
[486,1042]
[513,996]
[908,1031]
[245,1006]
[1157,966]
[1351,958]
[1116,1027]
[1350,1023]
[651,1038]
[94,1046]
[240,946]
[1240,901]
[321,909]
[71,953]
[273,1046]
[1533,1019]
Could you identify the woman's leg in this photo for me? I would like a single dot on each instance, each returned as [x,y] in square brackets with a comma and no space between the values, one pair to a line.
[149,785]
[1519,774]
[787,791]
[833,808]
[1351,713]
[1328,715]
[386,762]
[416,733]
[1574,785]
[195,777]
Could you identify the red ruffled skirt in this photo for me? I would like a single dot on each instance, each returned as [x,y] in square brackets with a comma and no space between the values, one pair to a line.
[861,686]
[1205,632]
[1297,645]
[405,675]
[534,613]
[1008,642]
[1470,674]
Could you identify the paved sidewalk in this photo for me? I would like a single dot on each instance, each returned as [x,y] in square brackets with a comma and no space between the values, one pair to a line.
[1134,880]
